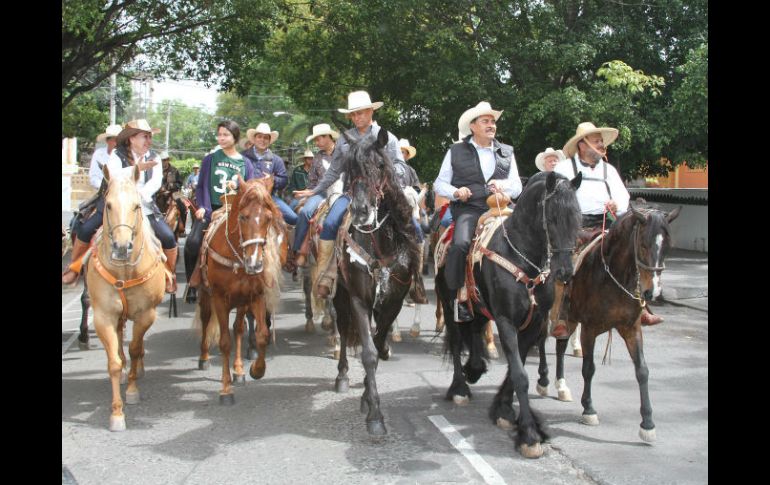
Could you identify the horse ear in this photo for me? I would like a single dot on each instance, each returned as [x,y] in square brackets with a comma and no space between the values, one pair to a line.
[240,182]
[577,181]
[673,214]
[106,172]
[639,216]
[550,182]
[349,138]
[382,138]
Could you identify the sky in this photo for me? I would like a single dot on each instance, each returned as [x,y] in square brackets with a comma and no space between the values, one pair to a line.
[191,93]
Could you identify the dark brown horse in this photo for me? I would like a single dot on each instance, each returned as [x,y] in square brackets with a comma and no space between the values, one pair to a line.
[614,282]
[375,281]
[243,271]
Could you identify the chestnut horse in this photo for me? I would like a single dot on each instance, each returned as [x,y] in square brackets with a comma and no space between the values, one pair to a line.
[609,289]
[125,276]
[245,251]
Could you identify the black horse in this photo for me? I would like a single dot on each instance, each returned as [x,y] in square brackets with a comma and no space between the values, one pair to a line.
[383,237]
[535,243]
[611,286]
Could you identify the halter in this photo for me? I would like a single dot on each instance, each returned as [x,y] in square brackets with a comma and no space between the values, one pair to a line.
[637,262]
[241,243]
[378,197]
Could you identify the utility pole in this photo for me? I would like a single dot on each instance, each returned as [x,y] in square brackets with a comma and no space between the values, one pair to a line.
[113,89]
[168,122]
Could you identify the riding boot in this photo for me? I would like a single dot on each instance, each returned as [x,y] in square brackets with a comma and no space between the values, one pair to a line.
[558,326]
[328,261]
[304,250]
[79,249]
[171,267]
[649,319]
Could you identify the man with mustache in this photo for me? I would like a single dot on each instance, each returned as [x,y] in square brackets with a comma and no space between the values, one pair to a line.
[473,168]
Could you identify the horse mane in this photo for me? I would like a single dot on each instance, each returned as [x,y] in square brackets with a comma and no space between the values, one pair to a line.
[360,160]
[254,192]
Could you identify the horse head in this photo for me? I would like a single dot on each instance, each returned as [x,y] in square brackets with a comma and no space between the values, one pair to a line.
[255,214]
[122,213]
[651,240]
[369,173]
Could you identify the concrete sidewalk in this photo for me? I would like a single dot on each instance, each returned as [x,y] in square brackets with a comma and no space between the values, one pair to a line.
[685,280]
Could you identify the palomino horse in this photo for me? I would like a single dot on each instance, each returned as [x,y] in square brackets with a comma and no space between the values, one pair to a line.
[245,250]
[616,278]
[378,260]
[125,277]
[515,281]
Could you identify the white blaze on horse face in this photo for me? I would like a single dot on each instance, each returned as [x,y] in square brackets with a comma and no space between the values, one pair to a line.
[371,219]
[656,284]
[122,235]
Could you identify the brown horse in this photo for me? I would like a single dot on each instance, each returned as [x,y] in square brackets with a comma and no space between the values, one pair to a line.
[609,290]
[245,251]
[125,277]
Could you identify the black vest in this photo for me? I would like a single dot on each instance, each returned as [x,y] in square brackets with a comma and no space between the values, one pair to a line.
[466,170]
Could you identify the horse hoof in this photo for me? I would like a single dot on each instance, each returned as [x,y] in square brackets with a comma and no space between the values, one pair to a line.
[577,352]
[396,336]
[309,326]
[227,399]
[118,423]
[492,352]
[461,400]
[415,331]
[252,354]
[376,428]
[257,373]
[647,435]
[132,397]
[239,379]
[503,423]
[534,451]
[543,391]
[341,385]
[83,345]
[203,365]
[590,419]
[565,395]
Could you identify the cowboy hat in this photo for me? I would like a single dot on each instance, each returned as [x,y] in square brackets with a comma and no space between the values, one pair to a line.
[308,154]
[197,165]
[540,159]
[264,129]
[583,130]
[132,128]
[404,145]
[164,155]
[322,129]
[111,132]
[483,108]
[358,100]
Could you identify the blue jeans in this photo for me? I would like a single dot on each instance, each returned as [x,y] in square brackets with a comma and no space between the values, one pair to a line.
[418,230]
[303,220]
[288,215]
[293,204]
[162,231]
[334,218]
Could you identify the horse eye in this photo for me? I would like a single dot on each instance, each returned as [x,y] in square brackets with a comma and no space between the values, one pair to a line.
[109,206]
[242,218]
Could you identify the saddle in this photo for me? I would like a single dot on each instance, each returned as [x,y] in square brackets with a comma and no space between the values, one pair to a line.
[200,273]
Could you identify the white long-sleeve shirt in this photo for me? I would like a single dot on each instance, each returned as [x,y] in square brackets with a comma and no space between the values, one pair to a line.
[592,194]
[98,159]
[146,189]
[443,184]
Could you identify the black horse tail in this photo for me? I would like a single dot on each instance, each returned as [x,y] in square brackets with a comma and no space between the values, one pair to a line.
[473,340]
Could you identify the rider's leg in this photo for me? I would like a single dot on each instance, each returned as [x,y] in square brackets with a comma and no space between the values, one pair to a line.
[85,231]
[650,319]
[167,241]
[303,224]
[454,271]
[326,258]
[288,215]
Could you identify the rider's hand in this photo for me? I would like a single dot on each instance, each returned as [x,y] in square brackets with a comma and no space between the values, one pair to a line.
[611,206]
[146,165]
[200,213]
[463,193]
[496,186]
[298,194]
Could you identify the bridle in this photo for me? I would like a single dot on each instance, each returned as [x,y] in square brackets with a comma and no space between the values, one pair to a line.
[111,229]
[377,189]
[241,243]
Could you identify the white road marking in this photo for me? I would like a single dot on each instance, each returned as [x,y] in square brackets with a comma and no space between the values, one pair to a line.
[461,444]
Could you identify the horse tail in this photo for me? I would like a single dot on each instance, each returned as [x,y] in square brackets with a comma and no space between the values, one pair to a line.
[473,340]
[212,329]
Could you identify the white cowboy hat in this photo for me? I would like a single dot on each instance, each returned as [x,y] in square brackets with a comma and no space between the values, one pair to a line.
[540,159]
[308,154]
[358,100]
[132,128]
[583,130]
[322,129]
[111,132]
[483,108]
[263,128]
[164,155]
[404,144]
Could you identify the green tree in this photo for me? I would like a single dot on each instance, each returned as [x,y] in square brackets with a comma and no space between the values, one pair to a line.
[192,130]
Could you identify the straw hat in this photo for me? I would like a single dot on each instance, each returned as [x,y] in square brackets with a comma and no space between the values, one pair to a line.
[308,154]
[404,144]
[583,130]
[358,100]
[132,128]
[540,159]
[264,129]
[322,129]
[111,132]
[483,108]
[164,155]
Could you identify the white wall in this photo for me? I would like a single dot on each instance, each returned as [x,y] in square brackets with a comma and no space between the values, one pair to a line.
[691,229]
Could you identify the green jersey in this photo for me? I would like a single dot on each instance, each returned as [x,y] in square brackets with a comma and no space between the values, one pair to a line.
[223,169]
